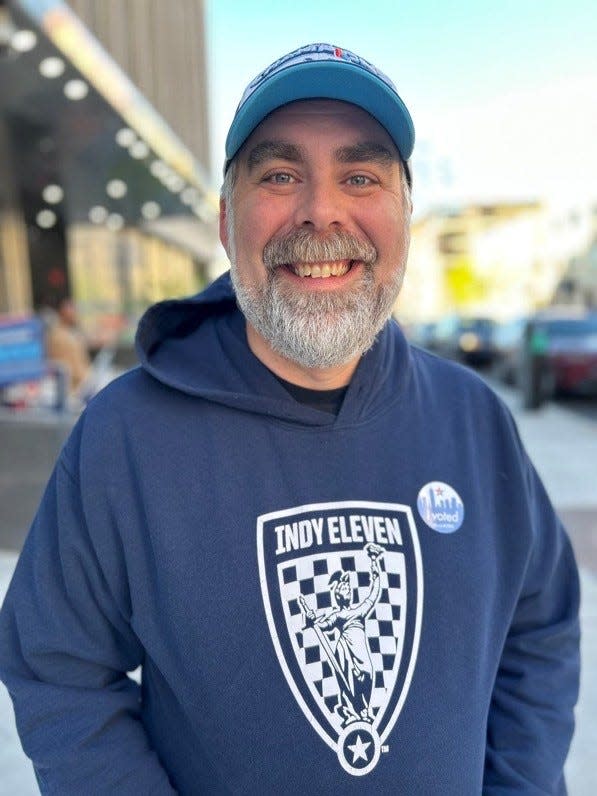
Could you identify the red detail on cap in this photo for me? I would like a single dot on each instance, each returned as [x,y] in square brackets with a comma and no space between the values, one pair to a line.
[338,52]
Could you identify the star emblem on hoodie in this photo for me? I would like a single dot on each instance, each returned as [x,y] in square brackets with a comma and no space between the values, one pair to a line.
[359,750]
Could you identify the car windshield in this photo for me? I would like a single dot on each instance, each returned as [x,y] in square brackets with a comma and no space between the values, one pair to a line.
[480,325]
[570,327]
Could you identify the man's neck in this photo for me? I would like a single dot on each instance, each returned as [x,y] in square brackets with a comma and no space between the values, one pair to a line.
[312,378]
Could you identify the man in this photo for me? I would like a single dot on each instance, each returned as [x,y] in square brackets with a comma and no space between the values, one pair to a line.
[65,342]
[204,497]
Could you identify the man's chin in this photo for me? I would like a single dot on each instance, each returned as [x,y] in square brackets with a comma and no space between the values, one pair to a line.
[316,360]
[327,306]
[320,340]
[315,329]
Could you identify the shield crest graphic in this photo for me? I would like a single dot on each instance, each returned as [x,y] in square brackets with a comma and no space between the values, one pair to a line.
[342,587]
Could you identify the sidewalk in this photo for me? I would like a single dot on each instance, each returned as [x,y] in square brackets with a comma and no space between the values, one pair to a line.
[16,773]
[563,447]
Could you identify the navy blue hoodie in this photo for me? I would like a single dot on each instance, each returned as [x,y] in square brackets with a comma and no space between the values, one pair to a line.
[381,601]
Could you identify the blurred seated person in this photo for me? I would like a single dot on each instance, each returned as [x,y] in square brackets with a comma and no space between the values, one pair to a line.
[65,342]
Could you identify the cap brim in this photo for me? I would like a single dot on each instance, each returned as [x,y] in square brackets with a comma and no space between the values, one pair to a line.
[325,80]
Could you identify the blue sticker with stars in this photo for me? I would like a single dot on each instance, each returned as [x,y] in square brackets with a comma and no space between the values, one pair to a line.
[440,507]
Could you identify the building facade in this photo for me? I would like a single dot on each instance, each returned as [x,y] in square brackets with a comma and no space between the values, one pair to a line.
[161,47]
[499,260]
[104,145]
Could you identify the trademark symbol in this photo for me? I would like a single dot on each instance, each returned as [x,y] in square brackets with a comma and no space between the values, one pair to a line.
[385,748]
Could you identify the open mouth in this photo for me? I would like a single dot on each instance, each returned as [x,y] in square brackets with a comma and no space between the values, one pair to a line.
[322,270]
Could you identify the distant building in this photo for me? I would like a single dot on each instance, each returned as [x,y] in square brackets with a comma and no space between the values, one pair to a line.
[500,260]
[578,284]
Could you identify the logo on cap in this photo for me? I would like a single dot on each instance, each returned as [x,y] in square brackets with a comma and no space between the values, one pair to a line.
[310,53]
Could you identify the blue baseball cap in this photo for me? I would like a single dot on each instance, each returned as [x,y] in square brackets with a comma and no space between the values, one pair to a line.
[322,71]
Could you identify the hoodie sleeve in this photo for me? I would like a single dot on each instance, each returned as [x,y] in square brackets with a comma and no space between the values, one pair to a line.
[65,647]
[531,719]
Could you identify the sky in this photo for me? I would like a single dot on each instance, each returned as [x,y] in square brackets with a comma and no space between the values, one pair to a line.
[503,95]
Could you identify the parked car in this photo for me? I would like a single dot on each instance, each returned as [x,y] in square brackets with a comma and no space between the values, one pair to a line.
[559,355]
[468,340]
[508,338]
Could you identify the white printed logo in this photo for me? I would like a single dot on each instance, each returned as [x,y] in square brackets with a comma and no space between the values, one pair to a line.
[342,588]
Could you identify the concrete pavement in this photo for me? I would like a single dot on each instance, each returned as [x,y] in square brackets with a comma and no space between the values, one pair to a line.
[16,773]
[563,446]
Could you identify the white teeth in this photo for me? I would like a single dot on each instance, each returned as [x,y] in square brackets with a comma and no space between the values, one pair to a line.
[321,270]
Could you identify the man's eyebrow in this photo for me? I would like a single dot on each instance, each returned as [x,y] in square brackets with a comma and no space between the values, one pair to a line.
[366,151]
[272,150]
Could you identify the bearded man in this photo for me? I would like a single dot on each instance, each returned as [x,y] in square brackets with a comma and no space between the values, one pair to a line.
[279,425]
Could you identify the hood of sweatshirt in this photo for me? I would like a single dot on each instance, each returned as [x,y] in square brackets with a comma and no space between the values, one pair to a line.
[198,345]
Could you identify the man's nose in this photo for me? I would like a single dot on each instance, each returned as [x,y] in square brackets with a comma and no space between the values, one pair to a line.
[320,207]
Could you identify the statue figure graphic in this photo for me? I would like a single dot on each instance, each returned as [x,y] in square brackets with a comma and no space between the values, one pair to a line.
[351,657]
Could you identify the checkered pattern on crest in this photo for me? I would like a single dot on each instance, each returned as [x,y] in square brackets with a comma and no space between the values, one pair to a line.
[384,627]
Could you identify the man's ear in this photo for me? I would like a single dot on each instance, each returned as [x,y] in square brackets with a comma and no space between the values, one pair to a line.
[223,224]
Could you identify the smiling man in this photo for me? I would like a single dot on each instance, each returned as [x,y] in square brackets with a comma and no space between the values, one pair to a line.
[327,550]
[315,221]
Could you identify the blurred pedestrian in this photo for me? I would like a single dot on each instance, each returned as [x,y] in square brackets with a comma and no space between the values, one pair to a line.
[65,341]
[328,551]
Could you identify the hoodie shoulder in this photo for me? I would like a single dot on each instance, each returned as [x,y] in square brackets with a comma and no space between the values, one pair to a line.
[180,317]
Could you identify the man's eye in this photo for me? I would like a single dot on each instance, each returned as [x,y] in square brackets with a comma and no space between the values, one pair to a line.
[359,180]
[279,178]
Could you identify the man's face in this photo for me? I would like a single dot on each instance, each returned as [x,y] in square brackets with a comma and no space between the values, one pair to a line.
[68,312]
[318,231]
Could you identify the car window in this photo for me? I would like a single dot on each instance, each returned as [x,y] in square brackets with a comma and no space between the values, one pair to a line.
[569,328]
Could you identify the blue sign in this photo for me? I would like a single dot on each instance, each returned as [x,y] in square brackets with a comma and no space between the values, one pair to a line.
[22,354]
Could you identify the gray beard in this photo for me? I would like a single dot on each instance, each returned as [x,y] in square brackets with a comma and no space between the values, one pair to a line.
[317,330]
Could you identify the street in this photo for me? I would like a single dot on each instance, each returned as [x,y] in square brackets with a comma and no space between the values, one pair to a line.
[562,441]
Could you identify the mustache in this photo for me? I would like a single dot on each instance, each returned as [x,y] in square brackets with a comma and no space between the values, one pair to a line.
[304,246]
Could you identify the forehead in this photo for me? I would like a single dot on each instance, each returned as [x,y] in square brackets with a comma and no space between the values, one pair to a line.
[308,119]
